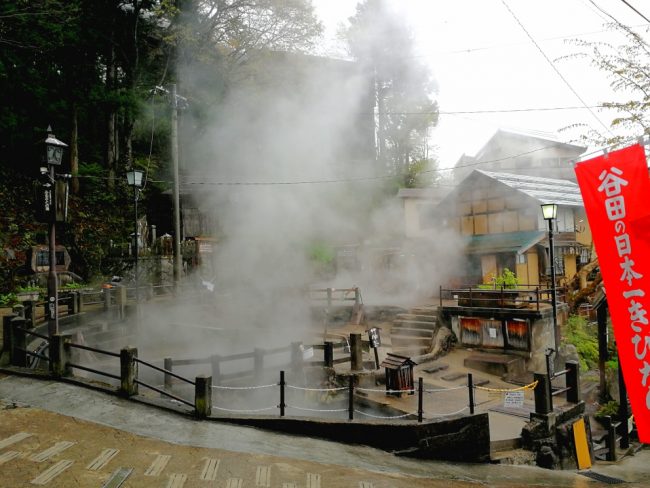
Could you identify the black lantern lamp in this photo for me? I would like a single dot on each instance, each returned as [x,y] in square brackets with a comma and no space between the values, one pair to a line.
[51,150]
[549,211]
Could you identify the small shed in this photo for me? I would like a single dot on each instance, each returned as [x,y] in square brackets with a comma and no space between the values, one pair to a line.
[399,374]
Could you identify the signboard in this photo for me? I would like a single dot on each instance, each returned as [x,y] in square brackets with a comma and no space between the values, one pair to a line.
[374,338]
[307,353]
[514,399]
[615,189]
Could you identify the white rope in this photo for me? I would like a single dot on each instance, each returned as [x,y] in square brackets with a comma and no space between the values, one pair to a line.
[383,417]
[316,389]
[428,414]
[245,411]
[446,389]
[385,391]
[318,409]
[220,387]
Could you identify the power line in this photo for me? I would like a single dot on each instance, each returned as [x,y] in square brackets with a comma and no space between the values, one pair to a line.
[554,67]
[640,14]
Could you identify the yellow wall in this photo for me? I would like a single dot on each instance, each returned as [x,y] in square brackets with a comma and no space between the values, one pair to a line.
[528,272]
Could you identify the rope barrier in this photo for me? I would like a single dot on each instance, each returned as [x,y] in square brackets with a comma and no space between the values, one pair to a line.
[315,389]
[386,391]
[531,386]
[220,387]
[445,389]
[384,417]
[245,411]
[429,414]
[318,409]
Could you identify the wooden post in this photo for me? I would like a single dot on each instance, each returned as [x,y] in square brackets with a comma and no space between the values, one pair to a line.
[356,353]
[420,398]
[5,358]
[203,396]
[168,364]
[128,371]
[60,355]
[623,414]
[572,381]
[470,387]
[543,403]
[282,385]
[80,298]
[328,353]
[351,398]
[18,342]
[120,302]
[611,439]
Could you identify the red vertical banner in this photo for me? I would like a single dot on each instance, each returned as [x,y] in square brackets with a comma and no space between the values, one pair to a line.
[616,192]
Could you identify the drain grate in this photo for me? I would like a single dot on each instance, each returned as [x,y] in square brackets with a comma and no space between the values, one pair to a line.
[603,478]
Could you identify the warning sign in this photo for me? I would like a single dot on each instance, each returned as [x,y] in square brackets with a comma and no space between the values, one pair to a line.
[513,399]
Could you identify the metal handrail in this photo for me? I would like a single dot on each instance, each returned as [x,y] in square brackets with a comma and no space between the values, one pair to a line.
[163,370]
[96,371]
[93,349]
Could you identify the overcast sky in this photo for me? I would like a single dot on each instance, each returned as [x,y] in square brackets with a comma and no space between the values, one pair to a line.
[483,60]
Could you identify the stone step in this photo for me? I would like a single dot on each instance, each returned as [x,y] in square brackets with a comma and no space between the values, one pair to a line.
[414,324]
[406,330]
[416,317]
[430,311]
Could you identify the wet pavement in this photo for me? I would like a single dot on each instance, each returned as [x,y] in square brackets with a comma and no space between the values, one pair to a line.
[74,430]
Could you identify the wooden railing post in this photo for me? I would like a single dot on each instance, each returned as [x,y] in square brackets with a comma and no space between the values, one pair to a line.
[203,396]
[128,371]
[282,385]
[572,381]
[60,355]
[351,398]
[18,342]
[328,354]
[5,358]
[470,388]
[543,403]
[168,364]
[356,353]
[420,398]
[107,298]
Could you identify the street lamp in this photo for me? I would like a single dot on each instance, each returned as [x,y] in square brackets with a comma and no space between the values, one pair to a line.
[51,156]
[134,179]
[549,211]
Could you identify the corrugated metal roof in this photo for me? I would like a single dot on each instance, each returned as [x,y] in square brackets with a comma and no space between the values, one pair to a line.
[518,242]
[395,361]
[544,190]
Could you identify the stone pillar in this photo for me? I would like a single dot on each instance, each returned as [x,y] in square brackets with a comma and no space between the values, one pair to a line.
[543,404]
[60,355]
[107,298]
[203,396]
[128,371]
[328,353]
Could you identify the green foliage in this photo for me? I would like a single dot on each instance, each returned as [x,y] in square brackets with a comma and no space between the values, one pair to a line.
[608,409]
[586,341]
[8,299]
[507,279]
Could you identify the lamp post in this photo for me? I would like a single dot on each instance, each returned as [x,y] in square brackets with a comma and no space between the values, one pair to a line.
[134,179]
[51,156]
[549,211]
